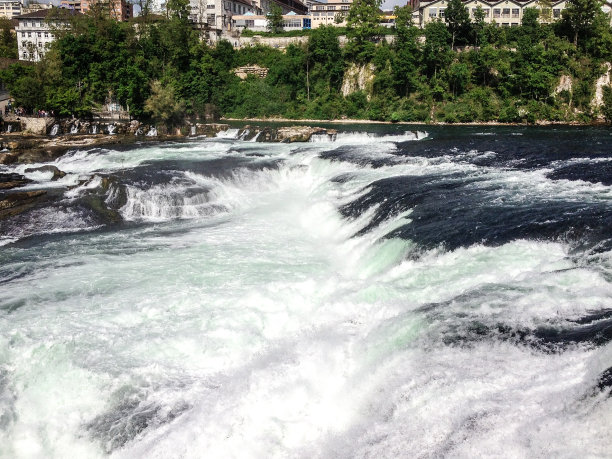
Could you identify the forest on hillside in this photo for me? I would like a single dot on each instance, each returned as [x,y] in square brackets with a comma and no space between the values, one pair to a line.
[459,70]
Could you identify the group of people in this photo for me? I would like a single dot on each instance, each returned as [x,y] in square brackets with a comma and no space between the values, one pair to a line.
[20,111]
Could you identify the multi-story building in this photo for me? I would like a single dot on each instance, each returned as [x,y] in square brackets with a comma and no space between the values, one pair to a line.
[217,14]
[33,34]
[333,12]
[121,10]
[504,13]
[35,6]
[259,23]
[10,8]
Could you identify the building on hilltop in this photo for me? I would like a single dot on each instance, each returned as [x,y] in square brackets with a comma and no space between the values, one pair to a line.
[10,8]
[121,10]
[34,32]
[333,12]
[259,23]
[35,6]
[504,13]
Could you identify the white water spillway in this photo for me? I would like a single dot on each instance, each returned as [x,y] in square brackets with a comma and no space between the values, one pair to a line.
[387,294]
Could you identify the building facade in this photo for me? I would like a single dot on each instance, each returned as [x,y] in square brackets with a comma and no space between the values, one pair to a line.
[333,13]
[259,23]
[504,13]
[10,8]
[121,10]
[33,35]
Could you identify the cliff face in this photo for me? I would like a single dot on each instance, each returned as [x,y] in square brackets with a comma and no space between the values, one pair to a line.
[602,81]
[358,78]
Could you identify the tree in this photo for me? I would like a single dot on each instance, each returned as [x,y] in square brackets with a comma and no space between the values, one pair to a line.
[580,15]
[405,64]
[457,19]
[478,25]
[275,19]
[436,52]
[8,40]
[363,29]
[163,105]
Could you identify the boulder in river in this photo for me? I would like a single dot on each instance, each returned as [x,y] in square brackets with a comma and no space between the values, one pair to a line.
[57,174]
[12,180]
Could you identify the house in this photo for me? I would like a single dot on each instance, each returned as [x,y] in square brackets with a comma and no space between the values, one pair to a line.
[34,32]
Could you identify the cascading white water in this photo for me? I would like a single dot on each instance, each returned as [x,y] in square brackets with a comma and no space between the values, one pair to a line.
[74,129]
[111,128]
[192,130]
[9,128]
[94,129]
[152,132]
[238,314]
[54,130]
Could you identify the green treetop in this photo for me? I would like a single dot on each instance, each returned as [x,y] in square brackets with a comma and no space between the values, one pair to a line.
[363,29]
[275,19]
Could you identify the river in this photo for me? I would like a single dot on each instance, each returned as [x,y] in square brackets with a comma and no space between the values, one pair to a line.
[397,292]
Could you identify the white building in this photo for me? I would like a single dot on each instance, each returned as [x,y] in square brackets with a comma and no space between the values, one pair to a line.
[10,8]
[504,13]
[34,34]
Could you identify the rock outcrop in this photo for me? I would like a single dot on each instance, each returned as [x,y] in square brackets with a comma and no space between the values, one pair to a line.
[602,81]
[57,174]
[16,203]
[358,78]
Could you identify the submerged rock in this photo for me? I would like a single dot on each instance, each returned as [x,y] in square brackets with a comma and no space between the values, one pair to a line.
[15,203]
[8,181]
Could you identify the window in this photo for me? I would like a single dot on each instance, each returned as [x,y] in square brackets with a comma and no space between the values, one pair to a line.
[320,8]
[210,7]
[316,15]
[345,7]
[331,13]
[22,34]
[331,8]
[433,12]
[441,13]
[486,12]
[556,13]
[46,34]
[25,55]
[29,34]
[496,12]
[506,13]
[515,12]
[514,24]
[505,24]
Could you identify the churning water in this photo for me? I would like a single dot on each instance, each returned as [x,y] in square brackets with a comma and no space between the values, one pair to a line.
[389,294]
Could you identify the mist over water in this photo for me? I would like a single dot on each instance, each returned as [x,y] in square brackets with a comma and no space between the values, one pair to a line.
[389,294]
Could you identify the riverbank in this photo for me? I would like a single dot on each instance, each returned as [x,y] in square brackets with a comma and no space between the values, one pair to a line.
[600,122]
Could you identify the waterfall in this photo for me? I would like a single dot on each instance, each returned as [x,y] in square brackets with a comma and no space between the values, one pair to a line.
[74,129]
[152,132]
[54,129]
[9,128]
[255,137]
[94,129]
[111,129]
[193,130]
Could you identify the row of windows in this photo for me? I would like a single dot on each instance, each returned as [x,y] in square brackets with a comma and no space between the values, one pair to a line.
[239,9]
[39,34]
[330,14]
[497,12]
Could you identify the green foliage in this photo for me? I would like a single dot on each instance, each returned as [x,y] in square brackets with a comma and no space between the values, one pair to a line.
[363,29]
[162,70]
[163,105]
[8,40]
[458,22]
[275,19]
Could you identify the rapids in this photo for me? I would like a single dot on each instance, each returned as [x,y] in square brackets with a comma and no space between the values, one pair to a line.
[389,293]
